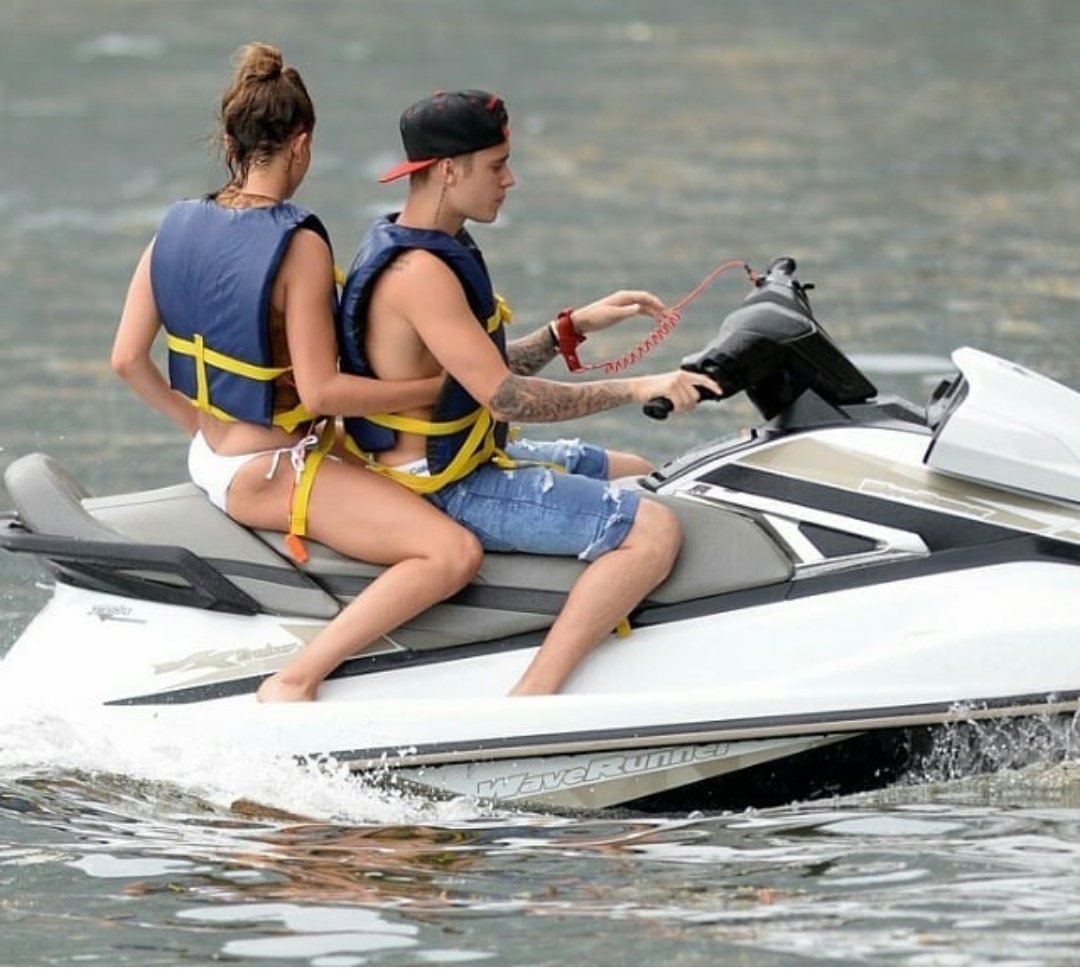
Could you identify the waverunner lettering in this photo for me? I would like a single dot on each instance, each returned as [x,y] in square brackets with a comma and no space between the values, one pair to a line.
[115,614]
[229,659]
[597,769]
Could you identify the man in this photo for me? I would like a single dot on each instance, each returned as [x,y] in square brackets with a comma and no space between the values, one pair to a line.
[418,300]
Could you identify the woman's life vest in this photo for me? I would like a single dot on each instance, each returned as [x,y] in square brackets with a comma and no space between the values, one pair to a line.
[461,434]
[212,271]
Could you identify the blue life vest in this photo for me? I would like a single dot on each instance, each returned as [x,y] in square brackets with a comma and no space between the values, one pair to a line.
[461,433]
[212,271]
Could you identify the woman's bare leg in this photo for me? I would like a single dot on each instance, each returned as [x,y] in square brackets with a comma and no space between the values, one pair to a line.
[364,516]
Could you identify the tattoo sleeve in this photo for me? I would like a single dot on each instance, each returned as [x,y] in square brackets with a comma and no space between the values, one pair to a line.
[533,400]
[531,353]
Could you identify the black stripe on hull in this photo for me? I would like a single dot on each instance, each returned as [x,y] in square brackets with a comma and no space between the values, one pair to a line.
[937,529]
[659,735]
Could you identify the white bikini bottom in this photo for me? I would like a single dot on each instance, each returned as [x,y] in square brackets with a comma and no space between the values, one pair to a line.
[214,472]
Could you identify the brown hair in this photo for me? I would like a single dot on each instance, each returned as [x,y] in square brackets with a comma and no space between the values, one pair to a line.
[262,108]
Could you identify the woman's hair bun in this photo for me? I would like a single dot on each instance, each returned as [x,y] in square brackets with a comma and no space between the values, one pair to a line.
[265,105]
[258,62]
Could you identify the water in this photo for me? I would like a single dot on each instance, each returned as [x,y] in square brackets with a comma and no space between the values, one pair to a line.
[920,161]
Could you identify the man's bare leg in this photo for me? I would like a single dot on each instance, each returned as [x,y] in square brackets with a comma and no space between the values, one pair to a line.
[604,594]
[623,464]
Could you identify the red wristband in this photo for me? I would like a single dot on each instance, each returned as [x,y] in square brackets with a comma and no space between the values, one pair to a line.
[568,339]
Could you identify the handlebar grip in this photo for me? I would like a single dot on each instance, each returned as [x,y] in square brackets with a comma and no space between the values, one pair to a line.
[658,408]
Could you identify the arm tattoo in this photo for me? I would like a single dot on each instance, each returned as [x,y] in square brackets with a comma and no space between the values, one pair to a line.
[532,400]
[531,353]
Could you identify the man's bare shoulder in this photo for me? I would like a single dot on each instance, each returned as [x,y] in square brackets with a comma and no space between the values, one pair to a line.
[416,282]
[419,264]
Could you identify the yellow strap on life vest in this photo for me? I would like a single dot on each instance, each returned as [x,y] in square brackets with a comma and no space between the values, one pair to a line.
[203,355]
[293,418]
[478,448]
[503,314]
[197,348]
[301,492]
[417,425]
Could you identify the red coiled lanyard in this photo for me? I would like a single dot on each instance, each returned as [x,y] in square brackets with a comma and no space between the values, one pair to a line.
[568,338]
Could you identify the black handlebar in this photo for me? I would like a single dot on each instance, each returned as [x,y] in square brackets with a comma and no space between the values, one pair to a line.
[735,359]
[658,408]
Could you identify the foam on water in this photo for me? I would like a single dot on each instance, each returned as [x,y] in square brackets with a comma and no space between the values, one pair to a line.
[36,741]
[980,747]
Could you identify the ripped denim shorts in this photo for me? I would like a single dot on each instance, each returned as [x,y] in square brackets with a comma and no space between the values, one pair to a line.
[536,509]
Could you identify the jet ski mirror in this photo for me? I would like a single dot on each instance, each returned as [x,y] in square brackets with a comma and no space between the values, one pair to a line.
[773,348]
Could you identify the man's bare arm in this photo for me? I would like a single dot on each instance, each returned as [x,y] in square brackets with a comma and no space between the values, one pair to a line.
[531,353]
[532,400]
[431,299]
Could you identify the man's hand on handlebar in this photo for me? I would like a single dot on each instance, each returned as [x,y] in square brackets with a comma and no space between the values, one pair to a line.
[680,390]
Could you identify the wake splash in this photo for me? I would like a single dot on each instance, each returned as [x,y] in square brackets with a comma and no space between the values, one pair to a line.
[1035,754]
[38,744]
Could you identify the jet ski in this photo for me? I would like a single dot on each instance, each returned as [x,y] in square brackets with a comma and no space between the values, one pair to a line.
[857,572]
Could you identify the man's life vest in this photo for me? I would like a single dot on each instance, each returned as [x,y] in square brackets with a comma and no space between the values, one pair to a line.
[212,272]
[461,434]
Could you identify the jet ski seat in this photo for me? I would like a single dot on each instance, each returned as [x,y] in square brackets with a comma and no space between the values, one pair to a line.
[724,551]
[50,501]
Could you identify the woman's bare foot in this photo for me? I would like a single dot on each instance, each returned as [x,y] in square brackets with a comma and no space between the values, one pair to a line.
[275,690]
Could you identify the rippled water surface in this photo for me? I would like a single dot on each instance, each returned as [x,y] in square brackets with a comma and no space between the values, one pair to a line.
[919,159]
[136,871]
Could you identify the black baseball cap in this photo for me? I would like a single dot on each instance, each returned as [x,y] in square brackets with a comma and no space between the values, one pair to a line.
[447,124]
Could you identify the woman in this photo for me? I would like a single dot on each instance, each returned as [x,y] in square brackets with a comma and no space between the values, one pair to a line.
[243,283]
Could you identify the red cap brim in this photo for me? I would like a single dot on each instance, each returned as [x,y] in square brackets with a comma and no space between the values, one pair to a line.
[406,168]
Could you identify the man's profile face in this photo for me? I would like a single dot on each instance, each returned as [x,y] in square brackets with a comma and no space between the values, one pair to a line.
[483,179]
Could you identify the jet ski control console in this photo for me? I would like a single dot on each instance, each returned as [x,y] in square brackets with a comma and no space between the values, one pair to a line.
[773,348]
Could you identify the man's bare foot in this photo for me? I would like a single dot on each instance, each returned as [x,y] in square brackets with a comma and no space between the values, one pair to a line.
[275,690]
